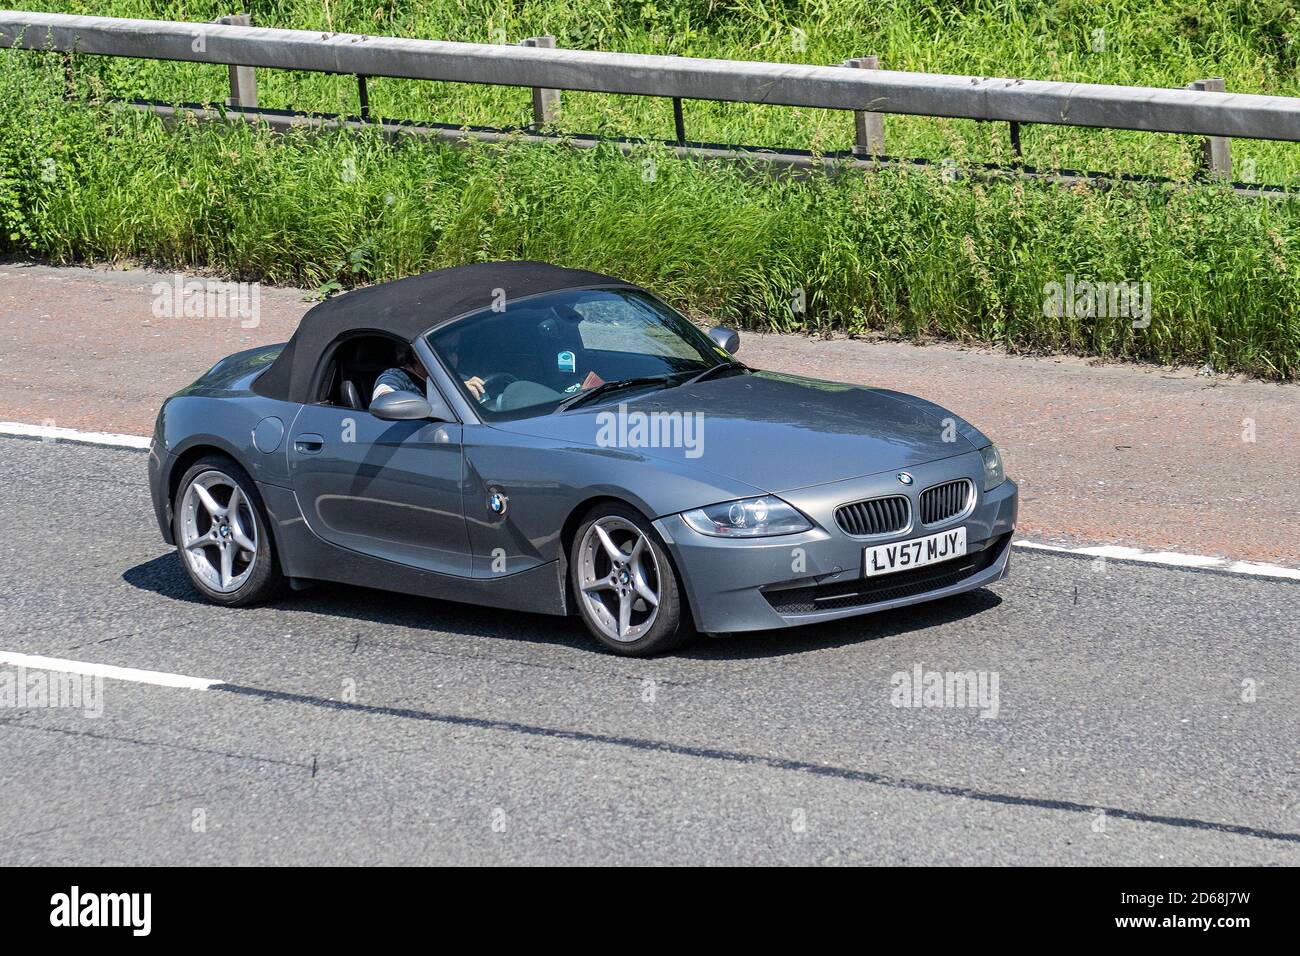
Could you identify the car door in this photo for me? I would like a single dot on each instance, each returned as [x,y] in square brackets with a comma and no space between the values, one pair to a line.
[391,490]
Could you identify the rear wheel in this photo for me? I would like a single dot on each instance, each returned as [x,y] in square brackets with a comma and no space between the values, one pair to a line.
[625,584]
[221,534]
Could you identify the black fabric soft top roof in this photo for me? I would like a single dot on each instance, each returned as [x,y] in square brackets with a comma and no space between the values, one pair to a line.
[408,307]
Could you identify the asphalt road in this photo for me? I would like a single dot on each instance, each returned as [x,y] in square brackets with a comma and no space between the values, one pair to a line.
[364,727]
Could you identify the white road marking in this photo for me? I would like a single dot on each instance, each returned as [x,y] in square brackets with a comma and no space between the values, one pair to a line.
[72,434]
[108,671]
[1173,559]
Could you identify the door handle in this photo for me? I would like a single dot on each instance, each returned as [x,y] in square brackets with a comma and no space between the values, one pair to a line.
[308,444]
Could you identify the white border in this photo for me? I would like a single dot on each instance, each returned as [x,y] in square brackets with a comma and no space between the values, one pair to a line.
[108,671]
[1173,559]
[50,433]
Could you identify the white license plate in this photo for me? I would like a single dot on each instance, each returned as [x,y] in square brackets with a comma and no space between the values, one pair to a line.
[933,548]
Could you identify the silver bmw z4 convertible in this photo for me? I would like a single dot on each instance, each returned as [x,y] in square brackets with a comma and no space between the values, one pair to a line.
[533,438]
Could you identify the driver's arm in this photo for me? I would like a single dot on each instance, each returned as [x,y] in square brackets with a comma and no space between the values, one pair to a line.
[395,380]
[476,387]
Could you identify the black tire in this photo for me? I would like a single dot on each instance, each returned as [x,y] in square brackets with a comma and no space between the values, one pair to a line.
[670,628]
[263,580]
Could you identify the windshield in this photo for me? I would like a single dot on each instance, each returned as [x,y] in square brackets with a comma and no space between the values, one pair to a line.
[530,356]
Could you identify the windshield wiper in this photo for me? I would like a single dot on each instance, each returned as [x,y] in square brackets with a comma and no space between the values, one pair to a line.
[713,369]
[604,388]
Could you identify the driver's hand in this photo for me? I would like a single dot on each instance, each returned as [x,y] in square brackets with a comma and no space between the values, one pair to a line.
[476,387]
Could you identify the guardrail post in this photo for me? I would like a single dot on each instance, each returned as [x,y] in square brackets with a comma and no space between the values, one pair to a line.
[1216,151]
[243,81]
[363,98]
[546,103]
[869,139]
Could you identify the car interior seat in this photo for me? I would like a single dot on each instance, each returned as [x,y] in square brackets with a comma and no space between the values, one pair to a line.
[351,397]
[360,362]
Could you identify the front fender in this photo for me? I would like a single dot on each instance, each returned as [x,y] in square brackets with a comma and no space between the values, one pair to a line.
[545,481]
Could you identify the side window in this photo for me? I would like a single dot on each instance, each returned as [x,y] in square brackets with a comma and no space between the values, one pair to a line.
[356,364]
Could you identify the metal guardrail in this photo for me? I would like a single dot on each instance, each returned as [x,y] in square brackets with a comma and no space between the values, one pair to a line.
[867,92]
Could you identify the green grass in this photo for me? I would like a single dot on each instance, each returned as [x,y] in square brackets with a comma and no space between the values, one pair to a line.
[900,252]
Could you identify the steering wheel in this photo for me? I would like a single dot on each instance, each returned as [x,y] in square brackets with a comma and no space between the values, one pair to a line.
[495,384]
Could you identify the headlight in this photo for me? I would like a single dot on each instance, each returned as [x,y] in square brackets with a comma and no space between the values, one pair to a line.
[748,518]
[993,473]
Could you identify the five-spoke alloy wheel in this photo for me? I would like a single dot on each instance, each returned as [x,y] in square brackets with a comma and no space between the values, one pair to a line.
[221,533]
[625,584]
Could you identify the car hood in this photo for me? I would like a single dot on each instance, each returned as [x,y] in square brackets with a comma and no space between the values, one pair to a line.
[772,431]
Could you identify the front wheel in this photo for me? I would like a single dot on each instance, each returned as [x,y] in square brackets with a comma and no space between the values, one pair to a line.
[221,534]
[625,584]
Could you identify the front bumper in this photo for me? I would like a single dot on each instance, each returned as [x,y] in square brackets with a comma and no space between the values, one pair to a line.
[160,464]
[815,576]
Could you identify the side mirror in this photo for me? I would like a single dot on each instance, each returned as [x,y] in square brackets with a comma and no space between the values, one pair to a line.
[401,407]
[728,339]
